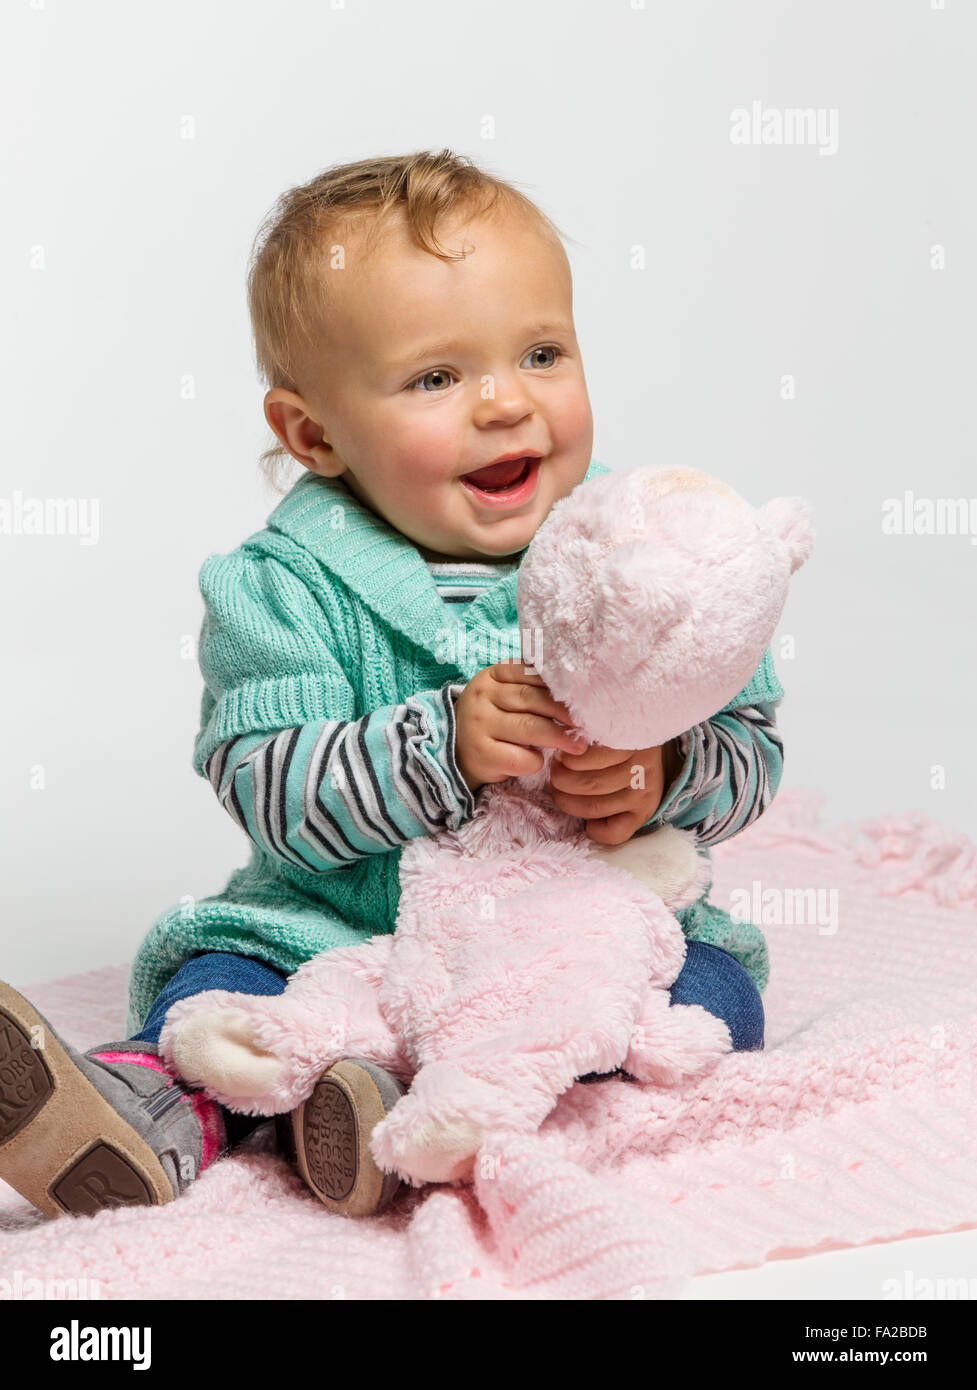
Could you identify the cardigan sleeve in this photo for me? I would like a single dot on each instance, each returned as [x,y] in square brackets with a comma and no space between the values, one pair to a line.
[264,652]
[305,780]
[323,794]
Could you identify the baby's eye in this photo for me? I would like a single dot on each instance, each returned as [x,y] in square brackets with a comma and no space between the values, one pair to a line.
[440,374]
[536,352]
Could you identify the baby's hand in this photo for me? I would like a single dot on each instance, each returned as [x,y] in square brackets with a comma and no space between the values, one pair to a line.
[503,714]
[599,786]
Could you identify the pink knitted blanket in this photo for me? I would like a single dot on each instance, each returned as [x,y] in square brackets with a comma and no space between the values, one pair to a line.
[857,1123]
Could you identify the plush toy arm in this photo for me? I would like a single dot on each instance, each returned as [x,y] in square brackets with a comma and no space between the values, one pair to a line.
[263,1054]
[666,861]
[673,1041]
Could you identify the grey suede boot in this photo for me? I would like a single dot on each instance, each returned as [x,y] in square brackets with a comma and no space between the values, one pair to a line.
[84,1131]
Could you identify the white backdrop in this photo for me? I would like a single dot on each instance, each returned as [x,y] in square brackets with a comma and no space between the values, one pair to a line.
[795,316]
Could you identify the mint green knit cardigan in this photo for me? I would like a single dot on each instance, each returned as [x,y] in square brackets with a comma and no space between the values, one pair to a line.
[328,613]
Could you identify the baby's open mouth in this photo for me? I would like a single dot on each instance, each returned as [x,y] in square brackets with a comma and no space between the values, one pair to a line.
[499,477]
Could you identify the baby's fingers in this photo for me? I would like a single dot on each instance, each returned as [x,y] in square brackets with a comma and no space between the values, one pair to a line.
[534,696]
[537,731]
[515,670]
[597,755]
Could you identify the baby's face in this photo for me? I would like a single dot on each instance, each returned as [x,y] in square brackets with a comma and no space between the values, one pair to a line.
[434,370]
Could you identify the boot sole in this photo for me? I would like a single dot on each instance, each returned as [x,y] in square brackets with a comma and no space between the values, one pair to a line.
[328,1139]
[62,1145]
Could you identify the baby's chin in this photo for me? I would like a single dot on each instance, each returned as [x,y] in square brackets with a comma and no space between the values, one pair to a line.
[475,548]
[504,539]
[476,543]
[465,549]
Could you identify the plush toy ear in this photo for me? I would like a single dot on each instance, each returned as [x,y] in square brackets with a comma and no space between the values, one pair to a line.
[790,518]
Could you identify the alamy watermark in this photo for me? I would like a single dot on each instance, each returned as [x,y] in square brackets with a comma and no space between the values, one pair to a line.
[910,515]
[458,646]
[767,907]
[77,1343]
[785,125]
[911,1286]
[50,516]
[25,1288]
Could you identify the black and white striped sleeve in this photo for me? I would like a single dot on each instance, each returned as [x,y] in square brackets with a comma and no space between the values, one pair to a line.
[732,768]
[325,794]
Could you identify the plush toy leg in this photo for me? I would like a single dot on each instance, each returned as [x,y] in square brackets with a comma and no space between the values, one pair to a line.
[263,1054]
[434,1132]
[574,946]
[672,1041]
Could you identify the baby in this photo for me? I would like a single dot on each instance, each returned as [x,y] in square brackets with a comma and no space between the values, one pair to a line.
[363,675]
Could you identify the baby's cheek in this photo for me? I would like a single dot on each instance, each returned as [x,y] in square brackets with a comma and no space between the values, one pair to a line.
[425,451]
[571,422]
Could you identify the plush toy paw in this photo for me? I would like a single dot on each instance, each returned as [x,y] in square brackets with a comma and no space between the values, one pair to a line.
[666,861]
[435,1131]
[674,1041]
[254,1054]
[220,1050]
[421,1147]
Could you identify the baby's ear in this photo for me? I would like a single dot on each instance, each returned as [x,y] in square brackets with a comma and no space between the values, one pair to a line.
[791,519]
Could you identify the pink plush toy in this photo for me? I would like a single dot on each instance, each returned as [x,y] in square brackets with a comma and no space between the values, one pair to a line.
[525,955]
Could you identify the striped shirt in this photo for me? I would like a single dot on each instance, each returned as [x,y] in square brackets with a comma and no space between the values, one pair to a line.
[324,794]
[460,581]
[732,769]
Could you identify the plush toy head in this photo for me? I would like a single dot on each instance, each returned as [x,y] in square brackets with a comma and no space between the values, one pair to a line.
[647,598]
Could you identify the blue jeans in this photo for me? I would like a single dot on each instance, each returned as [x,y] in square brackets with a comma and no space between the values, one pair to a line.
[713,978]
[710,976]
[210,970]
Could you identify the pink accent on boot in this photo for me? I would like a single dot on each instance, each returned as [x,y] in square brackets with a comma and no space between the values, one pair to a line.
[205,1111]
[144,1059]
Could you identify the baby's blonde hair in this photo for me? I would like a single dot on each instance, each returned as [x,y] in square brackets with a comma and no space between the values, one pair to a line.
[286,297]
